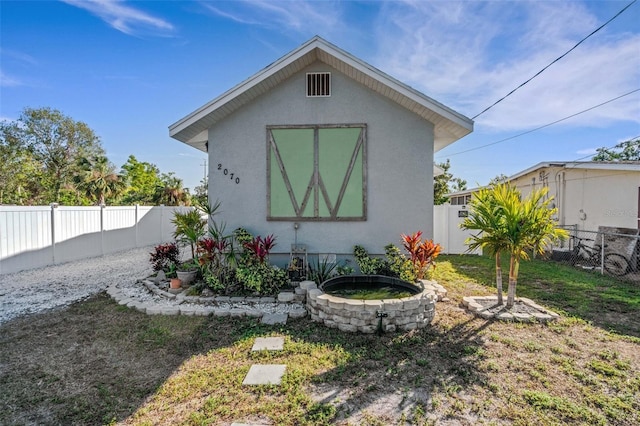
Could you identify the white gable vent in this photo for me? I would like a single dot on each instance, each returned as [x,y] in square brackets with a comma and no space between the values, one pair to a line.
[318,84]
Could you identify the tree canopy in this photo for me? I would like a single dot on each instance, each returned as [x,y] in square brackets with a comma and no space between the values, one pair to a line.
[624,151]
[445,183]
[48,157]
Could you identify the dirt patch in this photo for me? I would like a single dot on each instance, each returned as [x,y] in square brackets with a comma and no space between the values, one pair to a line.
[89,364]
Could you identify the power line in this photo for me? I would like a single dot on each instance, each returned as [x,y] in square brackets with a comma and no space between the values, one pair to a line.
[611,147]
[546,125]
[553,62]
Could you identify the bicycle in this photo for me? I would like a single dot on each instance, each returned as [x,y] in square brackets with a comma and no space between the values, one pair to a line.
[614,263]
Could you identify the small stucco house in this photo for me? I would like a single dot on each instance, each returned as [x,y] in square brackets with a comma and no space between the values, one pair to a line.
[588,194]
[322,149]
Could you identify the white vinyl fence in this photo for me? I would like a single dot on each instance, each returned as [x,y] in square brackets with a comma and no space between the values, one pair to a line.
[446,229]
[31,237]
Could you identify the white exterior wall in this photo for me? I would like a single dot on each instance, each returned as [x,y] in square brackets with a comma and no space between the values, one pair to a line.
[589,197]
[399,165]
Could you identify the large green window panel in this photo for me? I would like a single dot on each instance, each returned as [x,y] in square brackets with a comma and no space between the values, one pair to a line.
[316,172]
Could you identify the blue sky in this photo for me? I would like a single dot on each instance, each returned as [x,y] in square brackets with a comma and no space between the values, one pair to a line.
[129,69]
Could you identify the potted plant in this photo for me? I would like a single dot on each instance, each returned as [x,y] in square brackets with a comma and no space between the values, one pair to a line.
[187,272]
[295,268]
[189,228]
[175,282]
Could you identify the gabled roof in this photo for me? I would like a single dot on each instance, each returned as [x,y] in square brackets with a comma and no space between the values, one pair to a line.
[449,125]
[625,166]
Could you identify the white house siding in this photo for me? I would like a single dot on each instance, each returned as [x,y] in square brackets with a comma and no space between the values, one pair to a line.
[589,197]
[399,165]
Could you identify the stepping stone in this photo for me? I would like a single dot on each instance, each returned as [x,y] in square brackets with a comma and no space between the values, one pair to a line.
[272,319]
[285,297]
[268,344]
[247,424]
[269,374]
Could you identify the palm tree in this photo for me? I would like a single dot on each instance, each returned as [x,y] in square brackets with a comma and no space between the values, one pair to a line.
[171,192]
[98,179]
[530,227]
[508,223]
[484,217]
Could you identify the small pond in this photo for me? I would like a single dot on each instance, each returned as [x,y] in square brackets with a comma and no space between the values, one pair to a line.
[366,303]
[369,287]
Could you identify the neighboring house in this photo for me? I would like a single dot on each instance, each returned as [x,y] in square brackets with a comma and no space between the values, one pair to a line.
[589,194]
[322,149]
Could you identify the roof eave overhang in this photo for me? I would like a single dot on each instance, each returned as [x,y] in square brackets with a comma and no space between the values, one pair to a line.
[449,125]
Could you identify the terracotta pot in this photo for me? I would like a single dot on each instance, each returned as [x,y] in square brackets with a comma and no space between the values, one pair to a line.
[175,283]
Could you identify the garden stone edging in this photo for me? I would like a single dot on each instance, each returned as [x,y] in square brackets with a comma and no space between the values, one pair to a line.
[482,306]
[145,296]
[353,315]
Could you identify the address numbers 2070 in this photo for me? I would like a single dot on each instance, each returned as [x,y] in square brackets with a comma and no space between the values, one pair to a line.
[231,175]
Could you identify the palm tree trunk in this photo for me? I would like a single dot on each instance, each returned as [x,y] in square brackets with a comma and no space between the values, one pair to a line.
[499,278]
[514,265]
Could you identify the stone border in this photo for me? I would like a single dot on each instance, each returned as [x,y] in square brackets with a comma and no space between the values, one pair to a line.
[543,315]
[351,315]
[220,306]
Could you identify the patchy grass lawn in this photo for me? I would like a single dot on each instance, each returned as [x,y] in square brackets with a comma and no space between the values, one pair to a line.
[99,363]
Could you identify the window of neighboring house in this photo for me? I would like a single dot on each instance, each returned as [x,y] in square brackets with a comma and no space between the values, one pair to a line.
[319,84]
[316,172]
[460,200]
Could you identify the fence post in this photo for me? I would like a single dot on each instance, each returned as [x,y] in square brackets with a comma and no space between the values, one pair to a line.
[602,254]
[102,206]
[54,206]
[136,219]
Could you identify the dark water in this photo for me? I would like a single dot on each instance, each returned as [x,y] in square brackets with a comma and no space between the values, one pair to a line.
[371,294]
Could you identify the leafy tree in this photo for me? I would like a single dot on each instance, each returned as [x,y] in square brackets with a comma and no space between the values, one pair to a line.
[20,173]
[98,179]
[201,194]
[143,180]
[56,142]
[624,151]
[497,180]
[520,225]
[171,192]
[445,184]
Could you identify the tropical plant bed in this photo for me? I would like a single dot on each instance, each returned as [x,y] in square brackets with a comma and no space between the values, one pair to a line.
[525,310]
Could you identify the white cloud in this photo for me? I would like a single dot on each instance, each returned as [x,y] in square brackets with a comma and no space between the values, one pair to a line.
[124,18]
[300,16]
[470,54]
[587,151]
[9,81]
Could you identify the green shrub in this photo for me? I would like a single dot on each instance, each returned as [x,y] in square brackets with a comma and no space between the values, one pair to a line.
[368,265]
[398,264]
[261,278]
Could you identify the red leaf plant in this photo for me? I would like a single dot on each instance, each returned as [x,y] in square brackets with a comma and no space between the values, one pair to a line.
[261,247]
[423,253]
[211,250]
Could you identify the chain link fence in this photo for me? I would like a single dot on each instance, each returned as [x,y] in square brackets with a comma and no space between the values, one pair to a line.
[608,251]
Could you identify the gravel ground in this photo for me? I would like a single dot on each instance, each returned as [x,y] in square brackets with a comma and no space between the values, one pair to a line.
[57,286]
